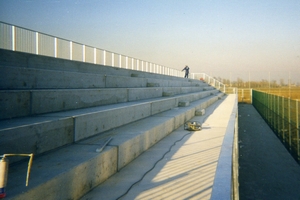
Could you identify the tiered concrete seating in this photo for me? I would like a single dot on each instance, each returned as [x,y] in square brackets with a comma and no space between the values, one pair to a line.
[62,111]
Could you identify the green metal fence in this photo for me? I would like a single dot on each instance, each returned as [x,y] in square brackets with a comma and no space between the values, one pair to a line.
[282,115]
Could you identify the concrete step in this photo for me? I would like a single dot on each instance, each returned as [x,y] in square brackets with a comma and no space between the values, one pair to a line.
[32,61]
[182,165]
[72,171]
[43,133]
[21,103]
[12,78]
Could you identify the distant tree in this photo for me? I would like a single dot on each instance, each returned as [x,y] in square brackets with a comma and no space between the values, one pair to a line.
[281,82]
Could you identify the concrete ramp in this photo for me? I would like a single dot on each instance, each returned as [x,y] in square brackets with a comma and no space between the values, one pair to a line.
[183,165]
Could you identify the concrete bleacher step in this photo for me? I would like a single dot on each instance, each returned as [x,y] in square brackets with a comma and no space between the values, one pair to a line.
[42,133]
[20,103]
[30,61]
[63,110]
[32,78]
[71,171]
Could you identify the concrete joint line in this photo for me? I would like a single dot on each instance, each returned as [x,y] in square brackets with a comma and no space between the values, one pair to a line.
[118,149]
[105,79]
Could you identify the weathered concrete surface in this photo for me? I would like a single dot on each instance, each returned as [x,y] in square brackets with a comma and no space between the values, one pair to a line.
[267,170]
[97,122]
[46,132]
[22,103]
[19,59]
[73,170]
[35,135]
[124,81]
[14,104]
[30,78]
[181,166]
[34,78]
[65,174]
[46,101]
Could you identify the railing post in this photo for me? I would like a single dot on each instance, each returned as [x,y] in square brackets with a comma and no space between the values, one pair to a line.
[126,62]
[113,59]
[146,68]
[55,47]
[83,53]
[36,43]
[13,38]
[71,50]
[104,57]
[95,56]
[120,60]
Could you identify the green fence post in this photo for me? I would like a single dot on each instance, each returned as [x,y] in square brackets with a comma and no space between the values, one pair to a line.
[282,116]
[290,124]
[297,124]
[278,115]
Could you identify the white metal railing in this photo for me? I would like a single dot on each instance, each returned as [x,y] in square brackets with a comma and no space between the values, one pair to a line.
[24,40]
[211,81]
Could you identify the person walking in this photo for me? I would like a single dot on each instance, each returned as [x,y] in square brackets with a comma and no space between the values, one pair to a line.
[186,71]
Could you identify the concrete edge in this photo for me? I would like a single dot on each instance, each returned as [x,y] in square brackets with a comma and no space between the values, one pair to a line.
[223,183]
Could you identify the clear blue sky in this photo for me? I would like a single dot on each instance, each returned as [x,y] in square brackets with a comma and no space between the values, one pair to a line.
[234,38]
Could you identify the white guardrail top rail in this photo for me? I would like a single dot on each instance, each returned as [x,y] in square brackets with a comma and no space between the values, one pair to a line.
[24,40]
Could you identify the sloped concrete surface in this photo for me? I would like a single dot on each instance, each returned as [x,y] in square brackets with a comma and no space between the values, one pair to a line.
[267,170]
[181,166]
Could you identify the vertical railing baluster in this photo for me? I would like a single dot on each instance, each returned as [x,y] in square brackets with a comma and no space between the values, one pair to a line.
[113,59]
[71,50]
[83,53]
[13,38]
[36,43]
[104,57]
[55,47]
[95,56]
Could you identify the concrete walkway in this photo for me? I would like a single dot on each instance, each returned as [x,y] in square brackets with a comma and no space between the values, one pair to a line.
[267,170]
[181,166]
